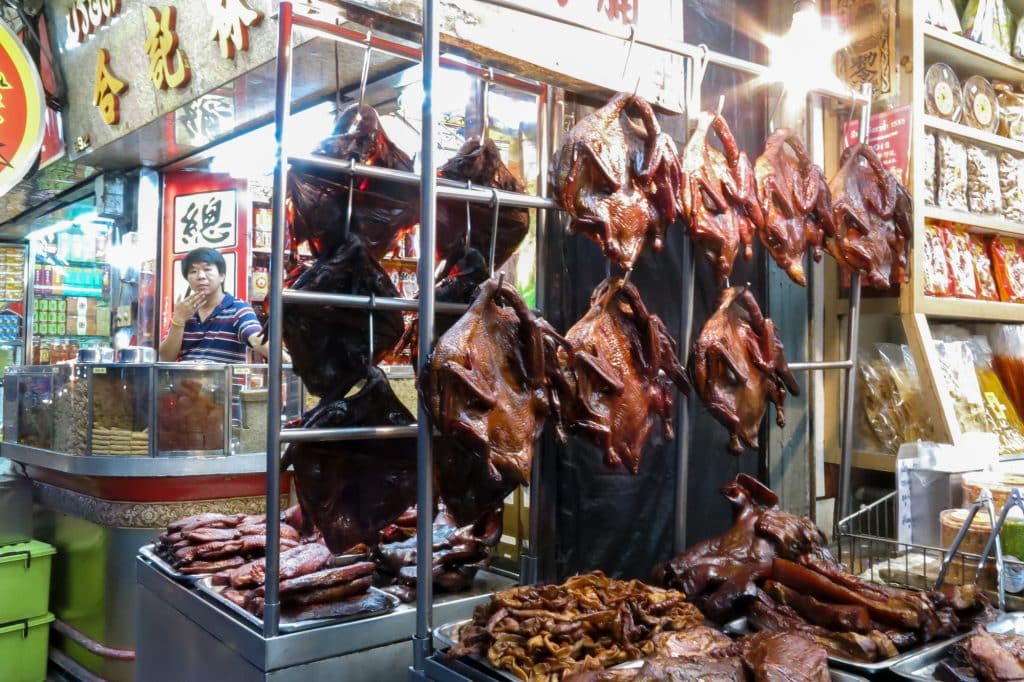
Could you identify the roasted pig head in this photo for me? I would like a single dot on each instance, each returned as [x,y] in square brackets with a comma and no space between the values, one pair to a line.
[318,199]
[485,389]
[330,346]
[480,163]
[350,490]
[873,218]
[719,195]
[796,203]
[619,363]
[618,176]
[738,366]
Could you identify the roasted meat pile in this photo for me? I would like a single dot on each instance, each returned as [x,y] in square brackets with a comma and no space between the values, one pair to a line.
[589,622]
[318,199]
[774,568]
[208,543]
[350,490]
[985,656]
[872,214]
[796,203]
[617,369]
[618,176]
[738,366]
[719,195]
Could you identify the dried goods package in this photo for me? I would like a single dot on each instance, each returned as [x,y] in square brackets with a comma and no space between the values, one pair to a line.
[1011,186]
[942,13]
[983,194]
[963,283]
[1008,359]
[952,186]
[987,289]
[1008,267]
[956,369]
[936,265]
[1003,419]
[928,169]
[1011,110]
[890,398]
[988,22]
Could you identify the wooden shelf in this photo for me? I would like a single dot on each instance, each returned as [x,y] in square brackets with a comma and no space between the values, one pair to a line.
[872,461]
[969,309]
[988,224]
[973,134]
[968,57]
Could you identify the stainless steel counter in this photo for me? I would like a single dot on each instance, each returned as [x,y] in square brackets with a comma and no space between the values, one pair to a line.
[134,466]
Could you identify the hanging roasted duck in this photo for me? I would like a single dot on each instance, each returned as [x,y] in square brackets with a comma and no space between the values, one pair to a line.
[719,195]
[618,176]
[350,490]
[796,203]
[486,392]
[619,364]
[330,345]
[739,365]
[480,163]
[318,199]
[873,217]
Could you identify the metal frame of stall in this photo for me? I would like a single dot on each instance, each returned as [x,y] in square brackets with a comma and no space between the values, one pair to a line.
[698,58]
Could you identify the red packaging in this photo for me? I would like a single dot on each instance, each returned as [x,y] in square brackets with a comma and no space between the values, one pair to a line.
[962,279]
[936,267]
[1008,266]
[987,289]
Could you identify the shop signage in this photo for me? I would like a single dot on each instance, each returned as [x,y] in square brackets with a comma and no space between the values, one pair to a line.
[205,219]
[621,11]
[231,22]
[22,110]
[85,16]
[871,25]
[889,136]
[106,94]
[168,64]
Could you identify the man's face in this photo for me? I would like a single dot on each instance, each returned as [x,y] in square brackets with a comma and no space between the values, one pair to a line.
[204,278]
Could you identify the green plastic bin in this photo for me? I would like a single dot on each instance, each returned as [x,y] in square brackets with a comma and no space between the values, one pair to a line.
[24,580]
[23,649]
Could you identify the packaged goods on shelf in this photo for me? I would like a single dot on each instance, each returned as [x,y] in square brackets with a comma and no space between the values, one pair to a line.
[1003,419]
[928,166]
[942,13]
[1011,111]
[983,195]
[890,397]
[962,280]
[988,22]
[952,163]
[956,366]
[1007,342]
[1011,186]
[944,94]
[936,263]
[987,289]
[1008,267]
[981,110]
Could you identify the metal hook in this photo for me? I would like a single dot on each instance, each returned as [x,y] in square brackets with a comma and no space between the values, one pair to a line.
[469,220]
[351,191]
[629,274]
[485,122]
[721,104]
[496,202]
[373,305]
[629,51]
[700,69]
[366,69]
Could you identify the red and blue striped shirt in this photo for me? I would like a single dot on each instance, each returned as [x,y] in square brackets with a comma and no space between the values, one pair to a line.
[221,337]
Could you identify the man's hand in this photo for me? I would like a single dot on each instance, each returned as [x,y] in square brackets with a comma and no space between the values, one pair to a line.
[186,307]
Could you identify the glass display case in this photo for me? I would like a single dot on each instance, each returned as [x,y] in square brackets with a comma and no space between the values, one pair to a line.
[249,405]
[118,408]
[29,401]
[193,403]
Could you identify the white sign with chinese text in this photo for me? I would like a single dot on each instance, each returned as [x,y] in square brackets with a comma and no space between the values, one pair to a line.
[205,219]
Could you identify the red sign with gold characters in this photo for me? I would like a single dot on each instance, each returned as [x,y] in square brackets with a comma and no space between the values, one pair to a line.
[22,110]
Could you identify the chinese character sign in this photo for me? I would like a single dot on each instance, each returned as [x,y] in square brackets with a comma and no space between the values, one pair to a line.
[869,57]
[168,65]
[106,94]
[85,16]
[231,22]
[205,219]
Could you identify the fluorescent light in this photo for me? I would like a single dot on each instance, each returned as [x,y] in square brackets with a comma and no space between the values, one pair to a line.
[802,59]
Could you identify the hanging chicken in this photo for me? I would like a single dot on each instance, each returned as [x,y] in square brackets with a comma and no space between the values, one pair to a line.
[719,195]
[872,213]
[318,199]
[619,365]
[796,203]
[739,365]
[485,389]
[619,178]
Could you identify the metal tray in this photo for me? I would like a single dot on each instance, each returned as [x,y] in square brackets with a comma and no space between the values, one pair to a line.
[149,554]
[922,665]
[213,591]
[740,627]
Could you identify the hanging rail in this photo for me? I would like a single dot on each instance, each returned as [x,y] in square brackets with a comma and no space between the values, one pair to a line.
[347,433]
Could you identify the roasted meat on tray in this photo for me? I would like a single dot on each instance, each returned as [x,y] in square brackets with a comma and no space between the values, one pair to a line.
[486,392]
[785,657]
[872,214]
[212,542]
[318,199]
[350,490]
[796,203]
[719,195]
[738,366]
[619,364]
[330,345]
[480,163]
[993,658]
[618,176]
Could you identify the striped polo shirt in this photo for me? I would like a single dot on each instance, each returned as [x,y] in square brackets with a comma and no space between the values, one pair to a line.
[222,336]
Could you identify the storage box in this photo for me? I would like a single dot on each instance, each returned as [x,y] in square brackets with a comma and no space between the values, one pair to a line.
[24,582]
[15,510]
[23,649]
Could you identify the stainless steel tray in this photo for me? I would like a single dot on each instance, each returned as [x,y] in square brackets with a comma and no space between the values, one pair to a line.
[922,665]
[213,591]
[148,552]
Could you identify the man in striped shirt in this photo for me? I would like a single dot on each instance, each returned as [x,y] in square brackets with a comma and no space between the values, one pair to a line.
[210,325]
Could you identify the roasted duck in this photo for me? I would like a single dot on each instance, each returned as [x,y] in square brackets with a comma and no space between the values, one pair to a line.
[330,346]
[481,164]
[619,364]
[872,214]
[796,203]
[738,366]
[719,195]
[350,490]
[619,179]
[485,389]
[382,210]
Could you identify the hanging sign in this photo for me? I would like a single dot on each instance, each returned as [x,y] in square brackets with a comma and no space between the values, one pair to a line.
[889,136]
[870,56]
[22,110]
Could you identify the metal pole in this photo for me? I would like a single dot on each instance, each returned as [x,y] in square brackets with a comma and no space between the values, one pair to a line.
[423,639]
[683,428]
[282,110]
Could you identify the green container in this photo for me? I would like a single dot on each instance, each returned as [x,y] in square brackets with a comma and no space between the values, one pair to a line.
[23,649]
[24,580]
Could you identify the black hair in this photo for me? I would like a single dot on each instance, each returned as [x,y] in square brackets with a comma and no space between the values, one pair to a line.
[203,255]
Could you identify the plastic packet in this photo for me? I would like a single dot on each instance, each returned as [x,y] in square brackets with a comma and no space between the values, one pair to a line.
[1008,268]
[1011,108]
[943,14]
[890,399]
[956,367]
[983,195]
[928,168]
[952,186]
[1011,186]
[988,22]
[1003,419]
[936,264]
[984,276]
[1008,360]
[961,265]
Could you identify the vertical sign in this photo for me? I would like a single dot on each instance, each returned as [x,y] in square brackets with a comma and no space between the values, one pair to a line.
[870,56]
